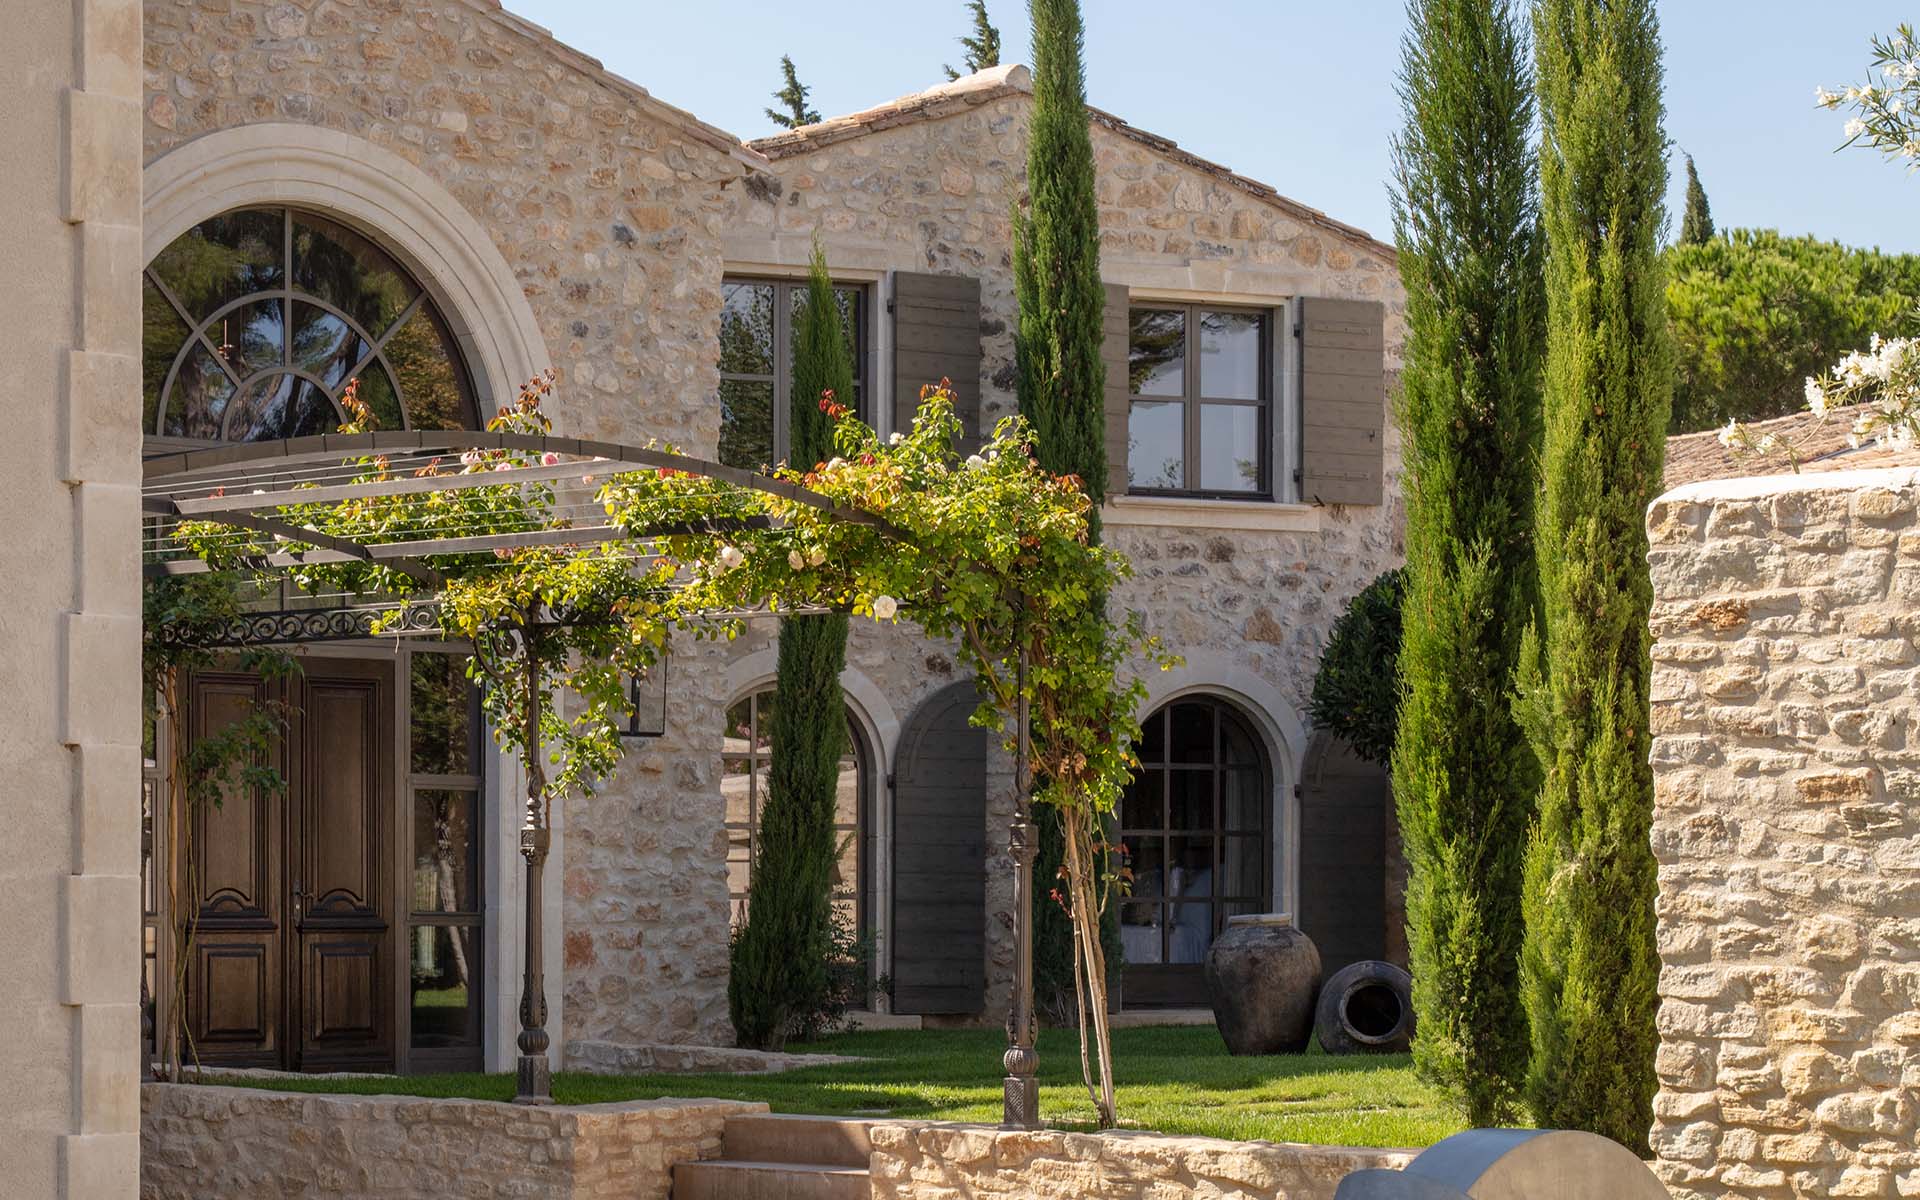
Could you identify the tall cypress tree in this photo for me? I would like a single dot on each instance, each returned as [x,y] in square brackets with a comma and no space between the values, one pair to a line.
[1696,226]
[1061,378]
[1466,214]
[781,956]
[793,98]
[1590,969]
[982,46]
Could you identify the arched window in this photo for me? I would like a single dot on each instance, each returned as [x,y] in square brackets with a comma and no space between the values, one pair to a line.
[256,320]
[1196,820]
[747,757]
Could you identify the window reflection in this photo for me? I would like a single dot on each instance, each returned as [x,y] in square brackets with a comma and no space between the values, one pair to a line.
[1199,421]
[758,320]
[441,986]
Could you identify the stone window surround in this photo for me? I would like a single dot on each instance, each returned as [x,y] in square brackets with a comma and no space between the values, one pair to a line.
[452,256]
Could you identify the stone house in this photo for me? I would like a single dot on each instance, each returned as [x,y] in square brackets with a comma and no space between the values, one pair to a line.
[442,200]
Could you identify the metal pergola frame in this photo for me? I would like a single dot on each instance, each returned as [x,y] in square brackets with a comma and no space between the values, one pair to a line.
[245,487]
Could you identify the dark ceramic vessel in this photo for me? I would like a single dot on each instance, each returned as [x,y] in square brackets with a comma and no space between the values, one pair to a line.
[1263,976]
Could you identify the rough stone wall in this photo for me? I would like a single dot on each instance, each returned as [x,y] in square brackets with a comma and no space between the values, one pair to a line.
[958,1162]
[69,484]
[1787,825]
[199,1140]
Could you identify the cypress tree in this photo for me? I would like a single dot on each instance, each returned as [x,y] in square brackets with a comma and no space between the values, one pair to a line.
[1466,213]
[781,956]
[1061,378]
[1590,970]
[982,46]
[1696,226]
[793,95]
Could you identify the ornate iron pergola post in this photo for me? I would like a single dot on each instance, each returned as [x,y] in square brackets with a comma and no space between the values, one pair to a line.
[1020,1107]
[535,1077]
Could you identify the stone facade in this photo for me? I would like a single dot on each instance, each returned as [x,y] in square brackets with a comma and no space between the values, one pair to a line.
[1787,825]
[961,1162]
[200,1140]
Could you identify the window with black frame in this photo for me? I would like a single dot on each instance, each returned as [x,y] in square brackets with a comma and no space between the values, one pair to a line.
[757,320]
[1200,420]
[443,932]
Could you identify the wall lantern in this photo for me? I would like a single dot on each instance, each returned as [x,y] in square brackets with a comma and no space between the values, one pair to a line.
[647,701]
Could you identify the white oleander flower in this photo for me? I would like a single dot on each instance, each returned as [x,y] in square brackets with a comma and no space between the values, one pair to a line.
[884,608]
[1825,98]
[1816,397]
[1855,127]
[796,560]
[730,557]
[1730,435]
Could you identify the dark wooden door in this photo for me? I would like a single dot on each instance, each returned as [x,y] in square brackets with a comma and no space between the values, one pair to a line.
[939,858]
[292,964]
[1345,815]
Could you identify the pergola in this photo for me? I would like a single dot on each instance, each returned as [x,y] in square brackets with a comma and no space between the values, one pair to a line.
[247,490]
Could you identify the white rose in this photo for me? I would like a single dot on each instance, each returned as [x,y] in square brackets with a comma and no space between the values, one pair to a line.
[896,438]
[834,464]
[796,560]
[975,461]
[884,608]
[730,557]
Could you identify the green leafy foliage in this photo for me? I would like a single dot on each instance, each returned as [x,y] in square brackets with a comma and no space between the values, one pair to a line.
[1755,313]
[792,95]
[1356,688]
[782,977]
[1696,225]
[982,45]
[1467,217]
[1590,970]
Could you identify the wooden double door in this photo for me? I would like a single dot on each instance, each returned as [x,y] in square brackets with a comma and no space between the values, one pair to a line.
[293,965]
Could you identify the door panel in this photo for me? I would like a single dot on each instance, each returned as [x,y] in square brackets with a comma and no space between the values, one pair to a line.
[939,865]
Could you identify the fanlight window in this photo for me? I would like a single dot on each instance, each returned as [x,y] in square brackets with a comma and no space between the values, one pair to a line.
[256,320]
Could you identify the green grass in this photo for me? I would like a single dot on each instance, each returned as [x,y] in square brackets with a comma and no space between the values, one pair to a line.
[1175,1080]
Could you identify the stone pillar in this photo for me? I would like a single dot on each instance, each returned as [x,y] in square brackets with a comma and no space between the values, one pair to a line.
[1786,690]
[69,597]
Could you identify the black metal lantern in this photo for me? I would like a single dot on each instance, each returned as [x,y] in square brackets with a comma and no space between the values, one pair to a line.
[647,701]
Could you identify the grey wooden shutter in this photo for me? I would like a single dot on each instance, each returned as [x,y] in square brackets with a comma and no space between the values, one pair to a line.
[1343,401]
[939,858]
[1113,352]
[936,335]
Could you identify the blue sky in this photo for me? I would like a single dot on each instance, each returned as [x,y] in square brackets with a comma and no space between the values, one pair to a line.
[1298,94]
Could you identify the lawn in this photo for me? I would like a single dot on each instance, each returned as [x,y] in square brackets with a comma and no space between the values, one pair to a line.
[1176,1080]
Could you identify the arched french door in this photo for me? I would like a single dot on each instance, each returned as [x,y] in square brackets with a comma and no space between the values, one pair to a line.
[1197,823]
[340,916]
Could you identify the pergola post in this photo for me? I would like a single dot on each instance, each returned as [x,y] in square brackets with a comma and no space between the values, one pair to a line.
[535,1077]
[1020,1107]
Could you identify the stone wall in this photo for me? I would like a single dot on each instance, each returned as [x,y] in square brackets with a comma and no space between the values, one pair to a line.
[198,1140]
[1787,825]
[69,580]
[961,1162]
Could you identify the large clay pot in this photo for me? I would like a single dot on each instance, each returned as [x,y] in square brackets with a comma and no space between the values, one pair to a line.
[1262,978]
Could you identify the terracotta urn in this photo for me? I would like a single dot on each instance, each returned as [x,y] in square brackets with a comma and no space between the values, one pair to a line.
[1263,976]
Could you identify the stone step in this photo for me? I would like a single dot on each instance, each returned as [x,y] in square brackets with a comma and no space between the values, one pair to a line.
[732,1179]
[793,1138]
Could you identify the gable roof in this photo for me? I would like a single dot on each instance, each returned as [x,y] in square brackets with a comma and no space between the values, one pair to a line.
[995,83]
[1819,445]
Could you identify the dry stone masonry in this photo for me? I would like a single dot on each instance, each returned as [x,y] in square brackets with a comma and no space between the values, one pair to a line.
[1787,825]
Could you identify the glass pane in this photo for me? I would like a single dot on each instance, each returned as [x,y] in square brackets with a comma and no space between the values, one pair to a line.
[280,406]
[349,272]
[1155,436]
[746,424]
[444,852]
[323,345]
[1157,352]
[746,329]
[219,261]
[739,863]
[1238,745]
[1243,802]
[846,796]
[1140,932]
[1190,799]
[1149,868]
[848,301]
[199,398]
[1141,803]
[442,716]
[162,333]
[763,704]
[444,966]
[1230,355]
[739,731]
[1191,727]
[1245,873]
[736,790]
[252,337]
[376,392]
[1229,448]
[846,866]
[426,368]
[1153,739]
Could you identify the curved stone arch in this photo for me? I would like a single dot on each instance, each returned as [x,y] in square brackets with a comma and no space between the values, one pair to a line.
[382,195]
[1211,673]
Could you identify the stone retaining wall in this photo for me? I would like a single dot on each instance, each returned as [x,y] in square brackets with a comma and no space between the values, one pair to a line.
[1787,825]
[198,1141]
[960,1162]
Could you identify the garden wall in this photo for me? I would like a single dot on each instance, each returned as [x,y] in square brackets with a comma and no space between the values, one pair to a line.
[960,1162]
[198,1141]
[1787,825]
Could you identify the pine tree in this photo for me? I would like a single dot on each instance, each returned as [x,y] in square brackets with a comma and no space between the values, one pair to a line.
[1590,970]
[1466,213]
[793,94]
[1696,226]
[781,956]
[982,46]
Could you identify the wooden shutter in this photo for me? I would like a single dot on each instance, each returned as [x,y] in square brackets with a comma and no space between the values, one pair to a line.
[939,858]
[936,335]
[1343,401]
[1113,353]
